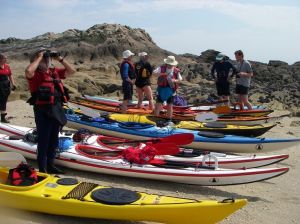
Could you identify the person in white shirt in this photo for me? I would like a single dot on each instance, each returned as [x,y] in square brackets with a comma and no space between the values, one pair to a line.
[167,84]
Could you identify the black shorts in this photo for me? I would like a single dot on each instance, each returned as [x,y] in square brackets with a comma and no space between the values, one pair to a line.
[242,90]
[169,100]
[223,88]
[127,90]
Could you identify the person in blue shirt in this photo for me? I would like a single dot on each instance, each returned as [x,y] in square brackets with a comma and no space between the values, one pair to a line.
[220,72]
[128,76]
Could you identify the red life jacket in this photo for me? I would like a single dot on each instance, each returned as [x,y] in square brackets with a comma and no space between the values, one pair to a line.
[22,175]
[44,87]
[139,156]
[162,80]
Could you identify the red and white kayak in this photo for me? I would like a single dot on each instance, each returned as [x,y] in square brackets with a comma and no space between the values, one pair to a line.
[189,156]
[87,158]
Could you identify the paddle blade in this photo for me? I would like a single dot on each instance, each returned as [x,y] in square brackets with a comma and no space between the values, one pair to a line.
[166,149]
[179,139]
[206,117]
[88,111]
[222,110]
[11,159]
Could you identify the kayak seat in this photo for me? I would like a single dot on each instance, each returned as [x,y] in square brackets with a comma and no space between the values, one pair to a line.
[135,125]
[115,196]
[211,134]
[67,181]
[215,125]
[189,154]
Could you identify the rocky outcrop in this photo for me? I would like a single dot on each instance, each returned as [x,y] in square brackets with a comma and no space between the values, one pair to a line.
[96,55]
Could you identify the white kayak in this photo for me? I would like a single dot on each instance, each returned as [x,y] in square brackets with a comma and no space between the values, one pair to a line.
[90,158]
[193,156]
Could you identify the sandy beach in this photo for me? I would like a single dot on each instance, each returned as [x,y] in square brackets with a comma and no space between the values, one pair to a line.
[270,202]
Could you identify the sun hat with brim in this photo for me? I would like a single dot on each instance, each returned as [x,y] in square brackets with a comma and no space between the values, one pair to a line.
[127,54]
[170,60]
[220,57]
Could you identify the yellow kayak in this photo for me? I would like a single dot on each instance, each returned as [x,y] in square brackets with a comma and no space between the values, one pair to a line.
[252,131]
[67,196]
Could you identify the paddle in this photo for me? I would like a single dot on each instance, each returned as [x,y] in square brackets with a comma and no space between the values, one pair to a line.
[206,117]
[11,159]
[178,139]
[161,149]
[179,164]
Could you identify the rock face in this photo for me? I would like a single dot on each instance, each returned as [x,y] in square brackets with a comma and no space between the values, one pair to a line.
[96,55]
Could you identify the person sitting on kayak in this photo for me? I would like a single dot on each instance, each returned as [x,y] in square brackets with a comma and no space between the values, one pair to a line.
[143,71]
[222,67]
[167,84]
[128,76]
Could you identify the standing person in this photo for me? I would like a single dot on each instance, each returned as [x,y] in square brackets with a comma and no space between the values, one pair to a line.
[7,83]
[143,72]
[222,68]
[128,76]
[167,84]
[243,79]
[48,96]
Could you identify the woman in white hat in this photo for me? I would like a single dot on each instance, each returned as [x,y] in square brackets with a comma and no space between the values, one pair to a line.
[128,76]
[143,71]
[167,84]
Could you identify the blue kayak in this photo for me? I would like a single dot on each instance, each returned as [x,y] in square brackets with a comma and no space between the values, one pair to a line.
[202,140]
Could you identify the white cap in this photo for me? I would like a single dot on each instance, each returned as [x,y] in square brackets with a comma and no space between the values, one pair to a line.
[127,54]
[142,54]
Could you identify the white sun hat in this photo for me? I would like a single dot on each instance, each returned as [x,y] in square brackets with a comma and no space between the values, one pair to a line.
[127,54]
[170,60]
[142,54]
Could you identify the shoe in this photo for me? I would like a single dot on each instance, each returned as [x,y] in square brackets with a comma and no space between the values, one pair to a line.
[3,119]
[54,170]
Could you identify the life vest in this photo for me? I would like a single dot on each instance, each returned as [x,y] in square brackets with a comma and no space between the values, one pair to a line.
[43,91]
[162,79]
[139,155]
[131,72]
[141,71]
[22,175]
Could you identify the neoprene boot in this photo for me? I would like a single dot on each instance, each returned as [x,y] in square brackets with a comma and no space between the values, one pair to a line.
[3,119]
[54,170]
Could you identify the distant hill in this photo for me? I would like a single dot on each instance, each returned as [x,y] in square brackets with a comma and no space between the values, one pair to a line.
[96,54]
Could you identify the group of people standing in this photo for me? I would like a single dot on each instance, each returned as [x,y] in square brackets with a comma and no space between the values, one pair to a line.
[243,72]
[168,78]
[139,74]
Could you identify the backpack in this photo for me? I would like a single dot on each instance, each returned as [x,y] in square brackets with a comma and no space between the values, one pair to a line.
[22,175]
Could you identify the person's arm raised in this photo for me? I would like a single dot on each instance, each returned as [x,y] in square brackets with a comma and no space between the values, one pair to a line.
[69,68]
[29,71]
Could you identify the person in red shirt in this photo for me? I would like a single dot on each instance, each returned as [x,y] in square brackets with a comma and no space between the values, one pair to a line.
[48,95]
[7,83]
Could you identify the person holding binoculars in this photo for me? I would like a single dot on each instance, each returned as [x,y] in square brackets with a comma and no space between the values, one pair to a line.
[47,97]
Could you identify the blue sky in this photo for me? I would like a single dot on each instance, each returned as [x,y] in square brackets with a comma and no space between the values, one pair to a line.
[264,29]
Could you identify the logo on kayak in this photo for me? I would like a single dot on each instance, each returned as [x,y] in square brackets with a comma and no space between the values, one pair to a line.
[259,147]
[214,180]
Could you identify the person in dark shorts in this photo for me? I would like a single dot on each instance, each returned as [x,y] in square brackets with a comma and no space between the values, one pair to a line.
[243,79]
[7,83]
[128,76]
[220,72]
[143,70]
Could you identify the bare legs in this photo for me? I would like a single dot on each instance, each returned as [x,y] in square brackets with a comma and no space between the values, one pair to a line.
[245,102]
[148,92]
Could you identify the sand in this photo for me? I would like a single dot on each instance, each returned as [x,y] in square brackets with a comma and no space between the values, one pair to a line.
[272,201]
